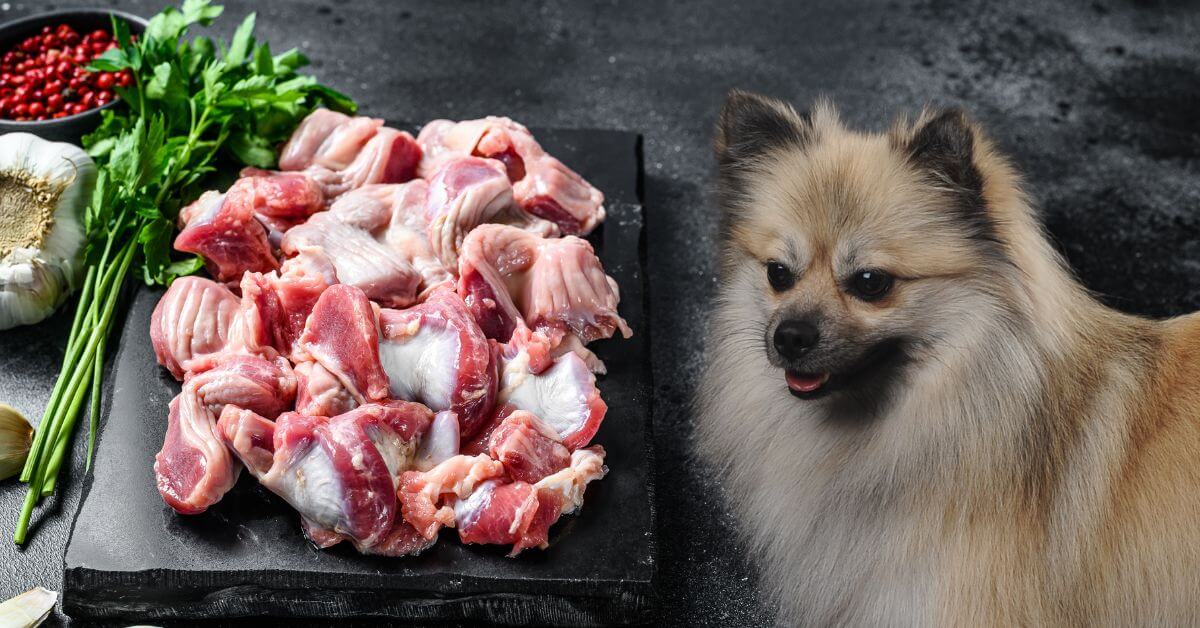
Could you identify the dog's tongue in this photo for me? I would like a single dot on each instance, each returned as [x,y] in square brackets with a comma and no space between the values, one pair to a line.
[806,382]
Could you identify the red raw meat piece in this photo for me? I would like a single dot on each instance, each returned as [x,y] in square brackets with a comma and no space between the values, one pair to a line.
[549,509]
[193,319]
[280,200]
[250,436]
[551,284]
[502,514]
[479,443]
[320,537]
[528,448]
[342,334]
[327,138]
[521,514]
[542,185]
[274,308]
[231,230]
[276,200]
[339,473]
[436,354]
[556,193]
[394,214]
[320,393]
[387,156]
[390,156]
[481,288]
[267,387]
[223,230]
[438,145]
[402,540]
[345,143]
[377,206]
[564,395]
[425,495]
[358,259]
[569,484]
[194,469]
[514,165]
[208,203]
[539,349]
[464,193]
[312,136]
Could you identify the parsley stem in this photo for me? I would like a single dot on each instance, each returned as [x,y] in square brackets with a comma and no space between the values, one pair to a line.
[195,132]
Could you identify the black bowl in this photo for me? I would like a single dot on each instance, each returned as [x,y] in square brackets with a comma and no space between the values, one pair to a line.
[70,128]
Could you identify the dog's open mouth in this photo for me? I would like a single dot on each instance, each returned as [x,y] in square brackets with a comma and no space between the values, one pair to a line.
[883,359]
[806,385]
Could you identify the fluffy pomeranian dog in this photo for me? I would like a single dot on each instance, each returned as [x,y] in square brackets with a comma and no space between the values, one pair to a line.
[920,416]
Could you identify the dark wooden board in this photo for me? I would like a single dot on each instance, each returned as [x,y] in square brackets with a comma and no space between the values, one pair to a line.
[132,558]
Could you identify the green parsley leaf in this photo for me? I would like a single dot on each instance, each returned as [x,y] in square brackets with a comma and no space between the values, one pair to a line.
[243,41]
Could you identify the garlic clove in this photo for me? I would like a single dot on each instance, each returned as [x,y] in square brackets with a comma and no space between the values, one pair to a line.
[30,288]
[16,436]
[44,189]
[29,609]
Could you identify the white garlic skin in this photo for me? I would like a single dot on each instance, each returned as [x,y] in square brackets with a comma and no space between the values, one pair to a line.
[16,436]
[29,609]
[35,281]
[31,288]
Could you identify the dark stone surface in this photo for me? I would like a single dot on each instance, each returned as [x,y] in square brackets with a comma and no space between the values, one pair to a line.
[246,555]
[1091,98]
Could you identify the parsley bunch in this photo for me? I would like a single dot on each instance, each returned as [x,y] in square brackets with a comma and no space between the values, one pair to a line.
[193,103]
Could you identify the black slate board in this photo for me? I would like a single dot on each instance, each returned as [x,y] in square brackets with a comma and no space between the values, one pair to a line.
[132,558]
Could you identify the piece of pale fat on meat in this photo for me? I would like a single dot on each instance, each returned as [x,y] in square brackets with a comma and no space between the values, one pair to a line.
[434,353]
[564,396]
[427,497]
[340,473]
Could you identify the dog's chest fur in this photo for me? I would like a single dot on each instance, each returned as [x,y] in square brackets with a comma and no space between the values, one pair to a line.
[838,555]
[876,524]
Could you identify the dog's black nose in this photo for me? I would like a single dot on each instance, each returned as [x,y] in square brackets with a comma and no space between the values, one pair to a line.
[794,338]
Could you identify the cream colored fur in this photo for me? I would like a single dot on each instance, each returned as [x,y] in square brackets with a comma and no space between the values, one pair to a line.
[1039,463]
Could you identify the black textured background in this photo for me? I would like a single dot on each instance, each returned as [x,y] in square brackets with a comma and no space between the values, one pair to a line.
[1095,100]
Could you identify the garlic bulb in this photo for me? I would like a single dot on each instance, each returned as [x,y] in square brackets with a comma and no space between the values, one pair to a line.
[44,188]
[29,609]
[16,436]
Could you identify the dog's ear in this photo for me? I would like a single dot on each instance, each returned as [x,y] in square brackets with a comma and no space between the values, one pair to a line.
[942,145]
[752,125]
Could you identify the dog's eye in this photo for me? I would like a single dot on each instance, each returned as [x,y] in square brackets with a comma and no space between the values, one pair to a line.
[869,285]
[779,276]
